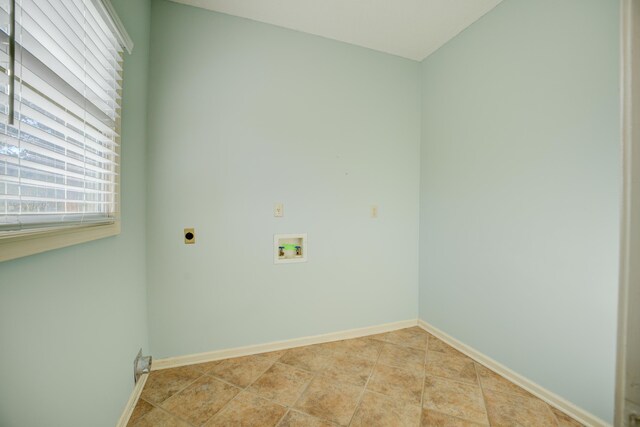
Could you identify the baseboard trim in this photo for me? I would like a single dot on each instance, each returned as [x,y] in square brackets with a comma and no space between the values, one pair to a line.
[133,400]
[173,362]
[551,398]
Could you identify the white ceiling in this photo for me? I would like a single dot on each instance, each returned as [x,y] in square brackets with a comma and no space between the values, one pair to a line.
[409,28]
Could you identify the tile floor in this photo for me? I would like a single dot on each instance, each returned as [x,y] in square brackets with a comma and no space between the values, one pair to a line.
[401,378]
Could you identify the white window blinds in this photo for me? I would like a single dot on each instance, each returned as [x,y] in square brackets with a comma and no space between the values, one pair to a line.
[59,156]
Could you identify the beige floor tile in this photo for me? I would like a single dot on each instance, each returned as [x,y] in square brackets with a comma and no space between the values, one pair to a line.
[565,420]
[142,408]
[201,400]
[281,383]
[165,383]
[396,383]
[329,347]
[416,337]
[418,329]
[346,368]
[506,410]
[402,357]
[494,382]
[410,337]
[376,410]
[206,367]
[438,419]
[242,371]
[455,398]
[362,347]
[311,359]
[248,410]
[460,368]
[299,419]
[330,400]
[159,418]
[273,355]
[439,346]
[365,347]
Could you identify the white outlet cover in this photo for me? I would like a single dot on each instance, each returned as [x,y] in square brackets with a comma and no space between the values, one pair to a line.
[278,210]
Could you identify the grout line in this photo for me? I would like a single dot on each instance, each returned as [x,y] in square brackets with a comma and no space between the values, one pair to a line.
[182,389]
[319,375]
[492,369]
[140,418]
[283,416]
[177,416]
[315,376]
[424,376]
[165,411]
[244,389]
[364,389]
[514,394]
[484,399]
[412,371]
[531,396]
[555,417]
[293,405]
[398,344]
[159,405]
[225,381]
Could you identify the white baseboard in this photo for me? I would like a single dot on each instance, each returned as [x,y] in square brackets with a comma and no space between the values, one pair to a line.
[133,400]
[173,362]
[552,399]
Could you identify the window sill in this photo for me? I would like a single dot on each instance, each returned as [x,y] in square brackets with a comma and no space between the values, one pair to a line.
[29,244]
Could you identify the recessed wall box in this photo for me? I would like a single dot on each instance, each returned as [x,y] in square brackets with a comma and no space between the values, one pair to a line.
[289,248]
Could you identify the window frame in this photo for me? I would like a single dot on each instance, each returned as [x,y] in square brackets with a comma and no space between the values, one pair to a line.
[20,245]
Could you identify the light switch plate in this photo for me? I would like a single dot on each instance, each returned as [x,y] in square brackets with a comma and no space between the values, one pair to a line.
[278,210]
[374,211]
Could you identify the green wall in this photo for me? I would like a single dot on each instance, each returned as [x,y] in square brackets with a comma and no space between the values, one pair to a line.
[73,319]
[243,115]
[520,192]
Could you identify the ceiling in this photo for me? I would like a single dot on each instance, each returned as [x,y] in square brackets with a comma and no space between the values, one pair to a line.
[409,28]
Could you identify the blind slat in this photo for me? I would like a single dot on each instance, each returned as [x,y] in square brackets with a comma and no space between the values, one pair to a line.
[12,180]
[64,157]
[40,167]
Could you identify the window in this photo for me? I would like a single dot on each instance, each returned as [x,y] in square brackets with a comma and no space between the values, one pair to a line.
[60,91]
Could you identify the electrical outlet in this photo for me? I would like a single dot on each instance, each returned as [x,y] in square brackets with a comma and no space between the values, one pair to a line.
[189,236]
